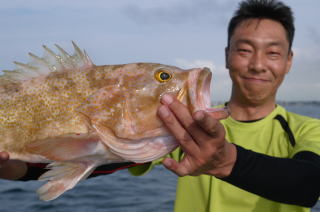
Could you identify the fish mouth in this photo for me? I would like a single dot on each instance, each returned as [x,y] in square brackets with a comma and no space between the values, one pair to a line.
[199,89]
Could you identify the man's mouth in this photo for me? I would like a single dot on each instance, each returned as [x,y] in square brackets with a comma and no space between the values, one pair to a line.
[255,79]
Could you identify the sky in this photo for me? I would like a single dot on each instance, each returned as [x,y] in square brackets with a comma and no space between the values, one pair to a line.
[183,33]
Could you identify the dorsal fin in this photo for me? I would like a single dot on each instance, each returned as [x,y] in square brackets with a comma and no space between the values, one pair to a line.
[50,62]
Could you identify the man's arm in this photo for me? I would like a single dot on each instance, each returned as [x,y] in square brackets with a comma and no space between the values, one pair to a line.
[19,170]
[201,137]
[292,181]
[11,169]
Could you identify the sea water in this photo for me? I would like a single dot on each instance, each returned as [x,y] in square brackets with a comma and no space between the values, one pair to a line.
[116,192]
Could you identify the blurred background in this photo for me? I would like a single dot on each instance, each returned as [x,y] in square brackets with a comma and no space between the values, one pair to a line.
[184,33]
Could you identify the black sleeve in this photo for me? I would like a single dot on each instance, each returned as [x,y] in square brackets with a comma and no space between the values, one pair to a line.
[35,170]
[291,181]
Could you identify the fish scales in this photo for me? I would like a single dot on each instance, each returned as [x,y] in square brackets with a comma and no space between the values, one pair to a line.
[64,110]
[43,99]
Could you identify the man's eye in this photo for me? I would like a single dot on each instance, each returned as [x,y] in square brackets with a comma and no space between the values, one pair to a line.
[274,54]
[243,50]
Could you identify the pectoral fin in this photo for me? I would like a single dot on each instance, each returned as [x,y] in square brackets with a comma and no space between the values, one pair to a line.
[76,157]
[63,177]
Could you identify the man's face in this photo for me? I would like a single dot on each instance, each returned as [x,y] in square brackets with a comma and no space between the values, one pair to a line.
[258,58]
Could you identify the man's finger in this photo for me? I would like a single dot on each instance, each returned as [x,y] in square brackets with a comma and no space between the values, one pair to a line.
[207,123]
[184,139]
[218,113]
[175,167]
[185,118]
[4,156]
[179,109]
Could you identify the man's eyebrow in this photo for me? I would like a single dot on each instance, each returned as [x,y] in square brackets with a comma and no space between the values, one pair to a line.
[243,41]
[247,41]
[275,43]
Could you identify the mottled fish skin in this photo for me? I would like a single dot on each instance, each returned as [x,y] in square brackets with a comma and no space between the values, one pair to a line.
[46,106]
[64,109]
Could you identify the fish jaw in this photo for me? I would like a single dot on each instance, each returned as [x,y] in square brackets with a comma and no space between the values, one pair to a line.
[199,89]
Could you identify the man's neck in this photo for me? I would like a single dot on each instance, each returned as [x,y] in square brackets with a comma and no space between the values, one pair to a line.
[242,111]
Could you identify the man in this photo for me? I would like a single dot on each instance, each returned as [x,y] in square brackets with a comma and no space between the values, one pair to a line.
[282,172]
[261,158]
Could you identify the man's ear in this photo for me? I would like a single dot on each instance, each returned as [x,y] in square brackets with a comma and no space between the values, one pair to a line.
[226,54]
[289,61]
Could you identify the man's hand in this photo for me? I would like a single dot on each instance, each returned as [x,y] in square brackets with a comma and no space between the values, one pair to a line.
[4,157]
[201,137]
[11,169]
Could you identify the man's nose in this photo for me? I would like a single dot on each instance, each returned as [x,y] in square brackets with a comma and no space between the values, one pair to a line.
[257,63]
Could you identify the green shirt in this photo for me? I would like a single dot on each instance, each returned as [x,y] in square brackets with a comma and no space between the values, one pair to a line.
[207,193]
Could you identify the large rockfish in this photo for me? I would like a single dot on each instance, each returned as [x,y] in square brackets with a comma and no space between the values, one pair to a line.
[63,110]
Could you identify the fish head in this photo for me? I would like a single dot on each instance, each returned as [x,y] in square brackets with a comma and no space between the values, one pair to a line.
[128,105]
[125,113]
[191,86]
[146,83]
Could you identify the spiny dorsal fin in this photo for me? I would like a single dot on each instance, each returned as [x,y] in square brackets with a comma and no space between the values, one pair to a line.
[50,62]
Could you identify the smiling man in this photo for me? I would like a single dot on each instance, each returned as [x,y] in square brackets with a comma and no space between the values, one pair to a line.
[258,56]
[262,157]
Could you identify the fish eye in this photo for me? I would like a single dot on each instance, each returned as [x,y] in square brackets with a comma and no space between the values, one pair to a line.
[162,76]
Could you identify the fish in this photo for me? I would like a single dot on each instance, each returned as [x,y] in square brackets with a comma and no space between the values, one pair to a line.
[63,110]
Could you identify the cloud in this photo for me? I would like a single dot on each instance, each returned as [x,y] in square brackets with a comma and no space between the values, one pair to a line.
[314,34]
[307,62]
[180,12]
[199,63]
[71,4]
[302,82]
[183,63]
[310,53]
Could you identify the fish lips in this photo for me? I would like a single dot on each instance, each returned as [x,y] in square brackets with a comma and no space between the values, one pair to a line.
[199,82]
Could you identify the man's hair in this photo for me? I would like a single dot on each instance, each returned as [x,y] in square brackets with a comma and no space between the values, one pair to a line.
[260,9]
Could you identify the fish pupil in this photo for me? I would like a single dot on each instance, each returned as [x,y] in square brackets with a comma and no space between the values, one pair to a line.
[164,76]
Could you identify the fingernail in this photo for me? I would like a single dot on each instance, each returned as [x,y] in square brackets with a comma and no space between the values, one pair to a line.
[167,163]
[163,111]
[167,99]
